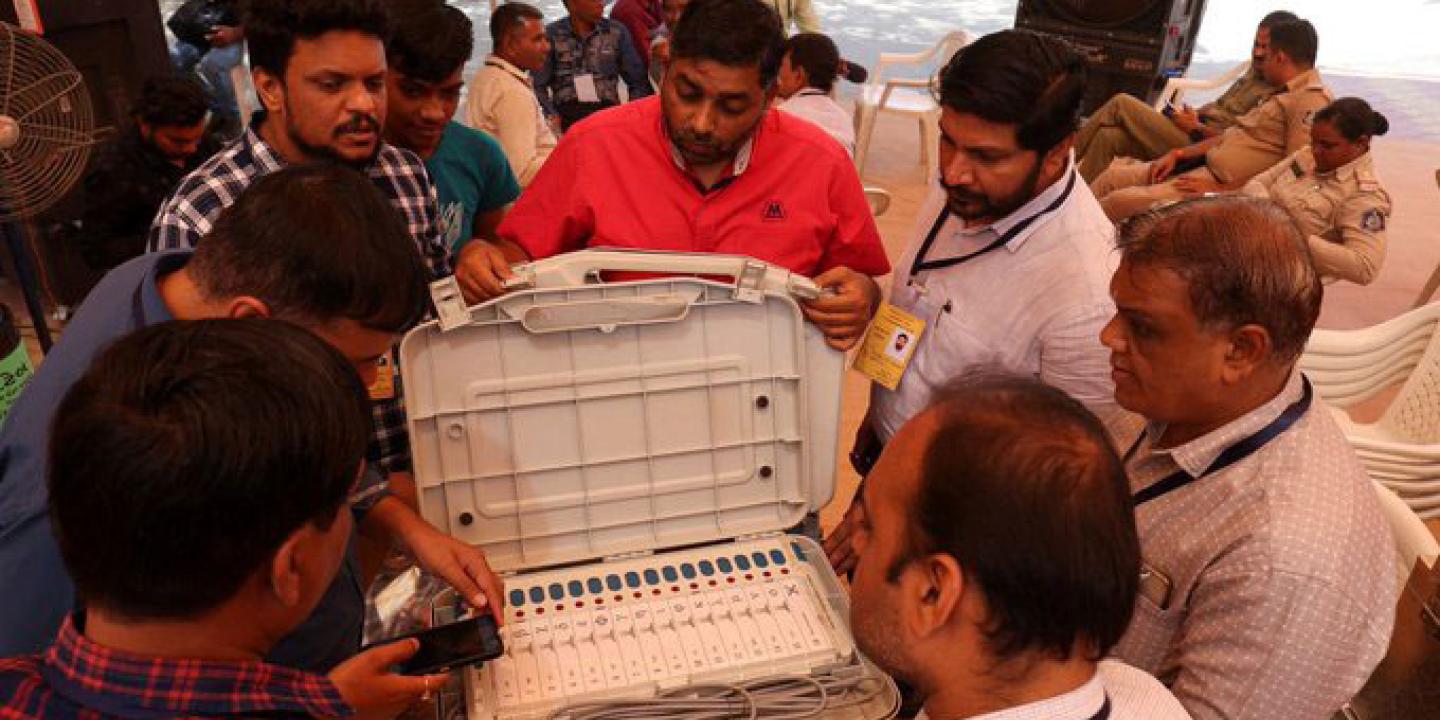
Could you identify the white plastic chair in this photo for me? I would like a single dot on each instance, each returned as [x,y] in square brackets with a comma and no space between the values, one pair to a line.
[1413,541]
[906,96]
[1175,87]
[1402,448]
[1433,283]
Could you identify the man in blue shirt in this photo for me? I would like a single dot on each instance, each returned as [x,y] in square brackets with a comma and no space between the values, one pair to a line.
[176,624]
[589,55]
[425,59]
[316,245]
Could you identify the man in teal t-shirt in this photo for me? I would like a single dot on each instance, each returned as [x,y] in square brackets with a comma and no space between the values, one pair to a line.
[426,55]
[474,181]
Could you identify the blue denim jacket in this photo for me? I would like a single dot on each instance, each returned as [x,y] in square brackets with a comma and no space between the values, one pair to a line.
[606,53]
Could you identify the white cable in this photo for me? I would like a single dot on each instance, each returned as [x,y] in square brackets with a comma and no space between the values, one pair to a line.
[779,697]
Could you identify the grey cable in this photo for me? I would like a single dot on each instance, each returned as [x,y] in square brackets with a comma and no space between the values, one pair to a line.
[777,697]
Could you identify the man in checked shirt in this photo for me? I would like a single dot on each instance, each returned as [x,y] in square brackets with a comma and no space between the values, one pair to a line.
[1267,587]
[316,245]
[319,70]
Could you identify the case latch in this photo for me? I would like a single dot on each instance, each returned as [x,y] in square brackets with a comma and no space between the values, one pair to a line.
[449,303]
[750,285]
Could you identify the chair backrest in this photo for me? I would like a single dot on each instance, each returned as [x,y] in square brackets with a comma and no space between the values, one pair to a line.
[951,44]
[936,55]
[1414,414]
[1413,540]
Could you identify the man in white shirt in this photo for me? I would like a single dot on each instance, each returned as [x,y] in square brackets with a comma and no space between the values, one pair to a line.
[999,560]
[502,101]
[807,76]
[1269,586]
[1012,257]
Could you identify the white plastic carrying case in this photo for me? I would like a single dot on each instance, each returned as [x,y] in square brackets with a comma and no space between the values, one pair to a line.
[628,454]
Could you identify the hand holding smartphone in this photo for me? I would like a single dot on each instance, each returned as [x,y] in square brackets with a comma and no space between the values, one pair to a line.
[445,647]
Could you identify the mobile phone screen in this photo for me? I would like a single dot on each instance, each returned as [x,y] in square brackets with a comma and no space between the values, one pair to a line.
[453,645]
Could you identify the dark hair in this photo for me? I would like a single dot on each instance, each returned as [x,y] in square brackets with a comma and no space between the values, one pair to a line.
[1354,118]
[817,55]
[430,40]
[316,243]
[1020,78]
[1244,262]
[1021,485]
[272,26]
[1297,39]
[171,101]
[187,454]
[1277,17]
[508,17]
[737,33]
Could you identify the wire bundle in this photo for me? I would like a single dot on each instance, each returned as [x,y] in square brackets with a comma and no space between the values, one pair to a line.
[778,697]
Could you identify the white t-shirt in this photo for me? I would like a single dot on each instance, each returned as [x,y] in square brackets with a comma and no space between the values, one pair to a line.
[821,109]
[1133,695]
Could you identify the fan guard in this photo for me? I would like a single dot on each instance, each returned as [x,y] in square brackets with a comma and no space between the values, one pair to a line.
[46,124]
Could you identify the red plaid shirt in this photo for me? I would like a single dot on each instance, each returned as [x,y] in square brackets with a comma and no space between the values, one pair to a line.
[76,678]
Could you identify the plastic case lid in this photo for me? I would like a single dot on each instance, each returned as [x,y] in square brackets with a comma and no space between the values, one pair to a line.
[574,421]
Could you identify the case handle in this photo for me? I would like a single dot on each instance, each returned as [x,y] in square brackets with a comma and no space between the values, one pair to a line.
[753,278]
[608,314]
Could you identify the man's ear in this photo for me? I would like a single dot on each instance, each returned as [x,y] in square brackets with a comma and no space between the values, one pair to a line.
[1250,347]
[270,88]
[286,578]
[932,588]
[247,306]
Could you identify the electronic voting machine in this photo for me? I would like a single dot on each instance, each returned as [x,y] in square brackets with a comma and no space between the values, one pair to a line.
[629,454]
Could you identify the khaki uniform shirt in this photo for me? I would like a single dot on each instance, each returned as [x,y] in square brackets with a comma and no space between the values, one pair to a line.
[1271,583]
[1241,97]
[1343,212]
[797,13]
[1271,132]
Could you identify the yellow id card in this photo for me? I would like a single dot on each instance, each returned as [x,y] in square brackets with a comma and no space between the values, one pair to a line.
[889,345]
[384,386]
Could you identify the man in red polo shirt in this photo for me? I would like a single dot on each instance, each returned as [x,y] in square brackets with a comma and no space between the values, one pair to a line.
[706,167]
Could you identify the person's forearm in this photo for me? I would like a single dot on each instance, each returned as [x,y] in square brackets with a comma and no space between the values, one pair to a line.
[1197,150]
[392,518]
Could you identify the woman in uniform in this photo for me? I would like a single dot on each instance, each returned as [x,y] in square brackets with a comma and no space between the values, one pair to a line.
[1331,189]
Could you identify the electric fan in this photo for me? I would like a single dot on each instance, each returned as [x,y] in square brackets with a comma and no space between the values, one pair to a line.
[46,132]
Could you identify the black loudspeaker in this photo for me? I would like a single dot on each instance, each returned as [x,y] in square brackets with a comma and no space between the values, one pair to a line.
[115,44]
[1132,46]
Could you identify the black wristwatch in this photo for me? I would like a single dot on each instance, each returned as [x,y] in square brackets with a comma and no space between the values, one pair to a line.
[1197,135]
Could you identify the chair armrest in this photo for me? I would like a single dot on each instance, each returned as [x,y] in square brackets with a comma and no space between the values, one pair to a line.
[1176,87]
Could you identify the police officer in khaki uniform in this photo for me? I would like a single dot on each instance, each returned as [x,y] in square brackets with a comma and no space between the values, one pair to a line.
[1263,137]
[1331,190]
[1127,127]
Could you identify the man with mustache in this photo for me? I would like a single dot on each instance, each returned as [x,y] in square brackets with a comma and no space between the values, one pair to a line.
[319,69]
[709,166]
[1012,255]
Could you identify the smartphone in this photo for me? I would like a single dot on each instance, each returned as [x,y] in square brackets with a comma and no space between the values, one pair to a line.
[465,642]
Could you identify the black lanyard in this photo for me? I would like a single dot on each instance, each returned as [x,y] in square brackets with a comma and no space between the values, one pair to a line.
[1233,454]
[1104,712]
[920,265]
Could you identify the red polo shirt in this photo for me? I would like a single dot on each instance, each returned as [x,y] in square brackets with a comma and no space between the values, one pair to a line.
[613,181]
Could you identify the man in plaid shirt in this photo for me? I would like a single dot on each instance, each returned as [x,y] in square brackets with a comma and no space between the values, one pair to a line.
[320,73]
[177,627]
